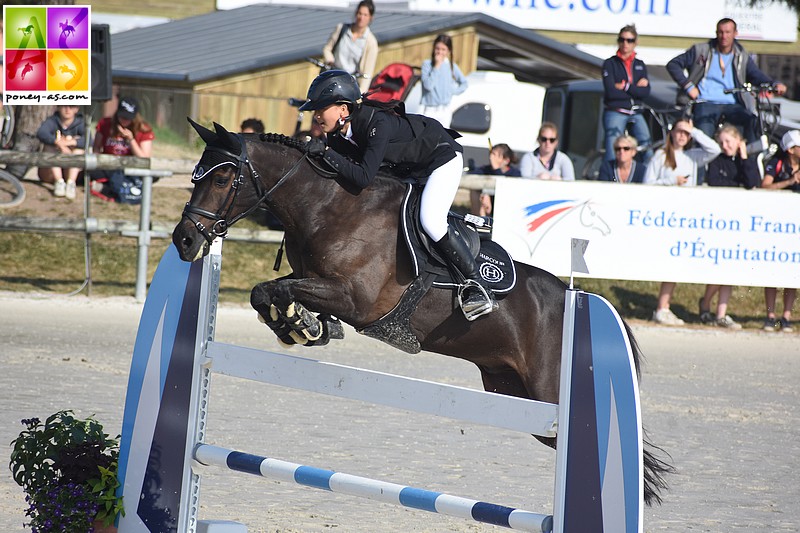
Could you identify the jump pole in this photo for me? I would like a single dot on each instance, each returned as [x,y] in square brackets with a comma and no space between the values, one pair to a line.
[598,472]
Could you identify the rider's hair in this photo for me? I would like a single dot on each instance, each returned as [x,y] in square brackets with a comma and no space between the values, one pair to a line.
[368,4]
[629,28]
[448,42]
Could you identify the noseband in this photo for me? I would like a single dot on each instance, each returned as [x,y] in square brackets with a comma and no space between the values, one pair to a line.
[220,218]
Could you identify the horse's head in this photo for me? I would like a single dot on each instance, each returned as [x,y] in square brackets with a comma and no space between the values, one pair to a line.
[226,189]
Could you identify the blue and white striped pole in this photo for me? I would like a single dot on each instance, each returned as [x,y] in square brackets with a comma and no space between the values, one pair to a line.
[381,491]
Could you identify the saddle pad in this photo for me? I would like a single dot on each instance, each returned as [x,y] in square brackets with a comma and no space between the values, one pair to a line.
[495,265]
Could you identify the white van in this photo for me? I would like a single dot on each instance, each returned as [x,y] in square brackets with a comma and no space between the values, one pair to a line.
[494,107]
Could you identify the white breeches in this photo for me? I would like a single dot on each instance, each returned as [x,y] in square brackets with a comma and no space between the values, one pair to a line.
[438,195]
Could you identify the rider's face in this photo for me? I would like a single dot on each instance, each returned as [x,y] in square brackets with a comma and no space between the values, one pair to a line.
[328,118]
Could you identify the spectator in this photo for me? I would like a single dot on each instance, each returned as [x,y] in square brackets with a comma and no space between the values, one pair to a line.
[501,163]
[353,47]
[706,70]
[63,132]
[623,168]
[782,173]
[675,164]
[625,85]
[125,134]
[441,79]
[547,162]
[732,168]
[252,125]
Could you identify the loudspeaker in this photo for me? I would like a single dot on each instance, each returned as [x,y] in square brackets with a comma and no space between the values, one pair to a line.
[101,63]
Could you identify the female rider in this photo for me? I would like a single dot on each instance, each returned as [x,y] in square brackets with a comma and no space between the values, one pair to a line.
[362,136]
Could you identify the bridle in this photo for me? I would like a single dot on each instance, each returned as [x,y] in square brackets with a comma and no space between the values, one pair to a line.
[220,218]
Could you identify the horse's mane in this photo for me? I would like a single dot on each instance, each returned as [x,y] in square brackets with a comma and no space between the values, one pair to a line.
[285,140]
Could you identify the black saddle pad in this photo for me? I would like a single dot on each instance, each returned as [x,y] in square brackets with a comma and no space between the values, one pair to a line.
[494,264]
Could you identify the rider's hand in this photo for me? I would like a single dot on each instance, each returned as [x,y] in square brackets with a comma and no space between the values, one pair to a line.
[316,147]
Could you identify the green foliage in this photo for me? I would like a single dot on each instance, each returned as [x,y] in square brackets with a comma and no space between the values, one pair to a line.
[67,467]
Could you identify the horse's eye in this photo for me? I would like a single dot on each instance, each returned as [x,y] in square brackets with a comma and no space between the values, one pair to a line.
[221,180]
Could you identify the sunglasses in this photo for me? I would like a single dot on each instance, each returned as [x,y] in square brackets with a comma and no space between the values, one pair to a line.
[625,40]
[623,148]
[548,139]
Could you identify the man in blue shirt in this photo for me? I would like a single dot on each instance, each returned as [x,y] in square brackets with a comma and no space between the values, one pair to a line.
[706,70]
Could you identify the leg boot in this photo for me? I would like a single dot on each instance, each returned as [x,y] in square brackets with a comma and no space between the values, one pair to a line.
[474,297]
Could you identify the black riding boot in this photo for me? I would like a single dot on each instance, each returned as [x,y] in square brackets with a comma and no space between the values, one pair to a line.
[475,298]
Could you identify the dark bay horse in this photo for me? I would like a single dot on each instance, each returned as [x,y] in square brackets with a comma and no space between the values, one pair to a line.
[348,260]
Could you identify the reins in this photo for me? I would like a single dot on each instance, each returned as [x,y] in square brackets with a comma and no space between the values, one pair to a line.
[221,224]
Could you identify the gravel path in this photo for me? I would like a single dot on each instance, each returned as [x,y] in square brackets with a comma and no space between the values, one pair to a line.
[724,404]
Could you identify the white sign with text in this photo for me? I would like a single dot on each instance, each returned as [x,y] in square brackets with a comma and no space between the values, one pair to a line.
[770,21]
[653,233]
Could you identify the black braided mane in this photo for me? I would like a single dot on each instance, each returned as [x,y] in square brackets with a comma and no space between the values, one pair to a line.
[279,138]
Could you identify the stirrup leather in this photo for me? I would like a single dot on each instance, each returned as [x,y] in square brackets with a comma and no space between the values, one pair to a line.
[474,309]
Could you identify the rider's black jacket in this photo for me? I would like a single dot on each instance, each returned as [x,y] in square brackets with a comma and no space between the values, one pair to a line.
[407,146]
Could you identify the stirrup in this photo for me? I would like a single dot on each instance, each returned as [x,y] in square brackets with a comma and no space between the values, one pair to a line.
[475,309]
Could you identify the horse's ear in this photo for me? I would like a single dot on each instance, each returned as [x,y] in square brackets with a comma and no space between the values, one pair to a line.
[208,136]
[228,140]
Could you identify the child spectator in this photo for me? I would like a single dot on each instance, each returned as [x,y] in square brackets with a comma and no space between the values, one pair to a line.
[63,132]
[441,79]
[677,164]
[782,173]
[125,134]
[732,168]
[501,163]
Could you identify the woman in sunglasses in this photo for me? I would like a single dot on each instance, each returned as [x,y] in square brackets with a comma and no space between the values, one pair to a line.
[625,84]
[546,162]
[623,168]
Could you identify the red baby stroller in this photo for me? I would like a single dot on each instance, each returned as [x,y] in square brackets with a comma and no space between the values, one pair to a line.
[394,82]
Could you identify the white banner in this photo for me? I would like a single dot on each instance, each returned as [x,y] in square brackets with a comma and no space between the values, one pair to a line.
[653,233]
[674,18]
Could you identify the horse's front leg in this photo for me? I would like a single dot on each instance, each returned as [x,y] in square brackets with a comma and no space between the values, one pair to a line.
[286,306]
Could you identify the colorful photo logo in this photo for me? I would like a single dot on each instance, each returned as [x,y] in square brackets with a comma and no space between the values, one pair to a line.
[46,54]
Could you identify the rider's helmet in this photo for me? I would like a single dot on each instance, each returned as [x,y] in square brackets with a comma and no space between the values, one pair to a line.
[332,87]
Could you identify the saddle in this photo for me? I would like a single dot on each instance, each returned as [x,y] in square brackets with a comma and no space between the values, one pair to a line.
[495,265]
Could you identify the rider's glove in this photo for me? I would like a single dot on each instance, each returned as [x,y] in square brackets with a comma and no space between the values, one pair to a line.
[316,147]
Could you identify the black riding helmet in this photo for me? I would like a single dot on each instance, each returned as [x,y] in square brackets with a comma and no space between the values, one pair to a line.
[332,87]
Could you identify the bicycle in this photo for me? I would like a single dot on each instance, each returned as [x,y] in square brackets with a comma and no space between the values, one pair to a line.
[12,192]
[659,125]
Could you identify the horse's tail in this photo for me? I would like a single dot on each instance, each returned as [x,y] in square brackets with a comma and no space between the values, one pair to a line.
[655,468]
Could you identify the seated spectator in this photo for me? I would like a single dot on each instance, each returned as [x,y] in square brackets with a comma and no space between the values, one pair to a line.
[782,173]
[63,132]
[314,133]
[677,164]
[625,84]
[501,163]
[252,125]
[732,168]
[623,168]
[125,134]
[546,162]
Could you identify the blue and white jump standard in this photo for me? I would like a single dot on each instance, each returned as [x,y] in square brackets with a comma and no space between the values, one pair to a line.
[599,483]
